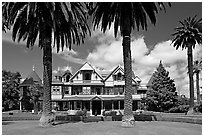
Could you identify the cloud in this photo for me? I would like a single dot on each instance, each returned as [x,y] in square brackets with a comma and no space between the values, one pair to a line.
[108,54]
[68,55]
[63,69]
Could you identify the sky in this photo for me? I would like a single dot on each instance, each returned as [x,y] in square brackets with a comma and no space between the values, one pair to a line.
[104,51]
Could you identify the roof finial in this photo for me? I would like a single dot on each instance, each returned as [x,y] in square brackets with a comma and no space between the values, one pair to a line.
[160,62]
[33,68]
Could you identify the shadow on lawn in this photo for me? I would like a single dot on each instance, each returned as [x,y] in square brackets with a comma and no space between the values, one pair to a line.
[64,122]
[7,122]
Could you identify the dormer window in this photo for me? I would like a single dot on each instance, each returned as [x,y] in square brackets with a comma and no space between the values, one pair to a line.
[87,76]
[119,76]
[67,78]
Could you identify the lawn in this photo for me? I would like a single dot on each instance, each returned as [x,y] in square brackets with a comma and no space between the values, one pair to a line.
[101,128]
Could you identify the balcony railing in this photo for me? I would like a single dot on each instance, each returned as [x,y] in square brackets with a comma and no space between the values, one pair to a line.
[86,81]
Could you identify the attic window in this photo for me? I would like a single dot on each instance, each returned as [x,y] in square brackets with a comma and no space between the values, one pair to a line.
[67,78]
[87,76]
[119,76]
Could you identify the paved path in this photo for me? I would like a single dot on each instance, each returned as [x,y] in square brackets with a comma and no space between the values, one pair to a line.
[101,128]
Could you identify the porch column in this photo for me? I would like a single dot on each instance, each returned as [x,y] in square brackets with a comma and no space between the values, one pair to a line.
[119,104]
[102,90]
[90,107]
[75,105]
[101,107]
[101,104]
[71,105]
[81,105]
[112,105]
[68,105]
[20,106]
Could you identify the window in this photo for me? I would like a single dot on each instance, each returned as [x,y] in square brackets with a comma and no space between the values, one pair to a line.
[86,90]
[119,76]
[98,91]
[87,76]
[67,78]
[56,90]
[77,90]
[114,77]
[66,90]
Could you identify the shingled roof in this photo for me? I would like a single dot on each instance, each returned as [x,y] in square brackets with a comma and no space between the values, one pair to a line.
[31,79]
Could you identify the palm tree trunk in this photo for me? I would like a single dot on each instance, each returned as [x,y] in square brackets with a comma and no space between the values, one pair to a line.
[191,82]
[198,88]
[47,118]
[128,119]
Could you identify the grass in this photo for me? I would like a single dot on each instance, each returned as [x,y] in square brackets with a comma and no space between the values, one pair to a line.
[101,128]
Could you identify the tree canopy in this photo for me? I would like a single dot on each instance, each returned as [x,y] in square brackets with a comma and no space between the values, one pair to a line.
[10,90]
[162,94]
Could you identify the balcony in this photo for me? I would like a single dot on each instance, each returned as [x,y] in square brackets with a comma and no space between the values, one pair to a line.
[86,81]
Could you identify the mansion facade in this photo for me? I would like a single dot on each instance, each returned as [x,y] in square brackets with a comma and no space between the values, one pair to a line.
[93,90]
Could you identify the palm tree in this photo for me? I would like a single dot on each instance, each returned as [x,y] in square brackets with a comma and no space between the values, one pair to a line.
[197,67]
[127,16]
[65,23]
[186,37]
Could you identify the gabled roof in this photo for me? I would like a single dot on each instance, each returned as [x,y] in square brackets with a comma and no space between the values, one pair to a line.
[149,83]
[66,72]
[119,67]
[31,79]
[114,70]
[86,66]
[137,78]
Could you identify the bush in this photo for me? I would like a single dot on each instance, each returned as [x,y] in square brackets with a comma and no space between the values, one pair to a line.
[198,108]
[179,109]
[79,113]
[109,113]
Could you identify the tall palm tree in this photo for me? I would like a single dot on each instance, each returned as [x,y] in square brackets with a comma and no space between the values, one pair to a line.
[186,37]
[127,16]
[65,23]
[197,67]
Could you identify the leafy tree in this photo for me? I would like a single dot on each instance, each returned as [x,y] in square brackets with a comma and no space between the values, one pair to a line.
[162,95]
[35,92]
[63,22]
[186,37]
[127,16]
[10,90]
[197,67]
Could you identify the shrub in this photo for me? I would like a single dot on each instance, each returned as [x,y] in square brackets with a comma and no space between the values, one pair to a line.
[109,113]
[79,113]
[198,108]
[179,109]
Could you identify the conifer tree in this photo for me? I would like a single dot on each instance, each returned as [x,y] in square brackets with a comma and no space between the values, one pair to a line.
[162,94]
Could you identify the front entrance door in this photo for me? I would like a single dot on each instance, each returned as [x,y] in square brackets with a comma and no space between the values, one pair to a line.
[96,107]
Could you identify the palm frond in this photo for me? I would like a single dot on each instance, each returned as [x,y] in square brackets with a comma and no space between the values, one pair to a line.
[190,32]
[105,13]
[67,20]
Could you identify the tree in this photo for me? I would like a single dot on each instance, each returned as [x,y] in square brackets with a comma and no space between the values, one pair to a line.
[197,67]
[162,95]
[127,16]
[65,23]
[10,90]
[35,92]
[186,37]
